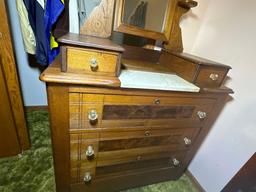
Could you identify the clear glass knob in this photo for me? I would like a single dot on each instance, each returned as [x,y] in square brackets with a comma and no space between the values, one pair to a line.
[87,177]
[93,116]
[94,64]
[214,76]
[175,162]
[89,152]
[201,114]
[187,141]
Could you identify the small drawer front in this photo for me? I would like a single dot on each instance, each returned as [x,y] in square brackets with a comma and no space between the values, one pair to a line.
[211,76]
[93,62]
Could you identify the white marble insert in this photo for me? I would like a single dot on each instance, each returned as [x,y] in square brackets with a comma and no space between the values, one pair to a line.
[156,81]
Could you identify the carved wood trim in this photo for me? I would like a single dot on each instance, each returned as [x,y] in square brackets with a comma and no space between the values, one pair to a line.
[175,41]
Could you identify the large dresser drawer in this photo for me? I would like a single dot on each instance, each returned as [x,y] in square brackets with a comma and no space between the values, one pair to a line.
[111,111]
[171,160]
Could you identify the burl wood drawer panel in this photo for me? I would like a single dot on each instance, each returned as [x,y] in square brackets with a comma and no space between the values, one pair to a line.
[121,147]
[211,76]
[92,62]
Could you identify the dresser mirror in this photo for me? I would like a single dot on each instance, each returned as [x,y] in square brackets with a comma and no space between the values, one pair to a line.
[146,18]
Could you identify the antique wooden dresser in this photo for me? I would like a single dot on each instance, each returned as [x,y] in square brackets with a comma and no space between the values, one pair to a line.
[108,136]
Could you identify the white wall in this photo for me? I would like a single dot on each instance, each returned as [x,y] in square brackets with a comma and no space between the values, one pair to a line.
[226,32]
[33,90]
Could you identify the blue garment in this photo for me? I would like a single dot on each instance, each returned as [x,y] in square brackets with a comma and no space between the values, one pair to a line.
[53,10]
[36,19]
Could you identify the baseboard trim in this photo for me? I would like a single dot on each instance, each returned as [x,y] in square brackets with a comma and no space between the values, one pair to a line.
[194,181]
[36,108]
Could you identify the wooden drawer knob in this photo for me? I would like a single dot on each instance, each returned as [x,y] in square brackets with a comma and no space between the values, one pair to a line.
[214,77]
[201,114]
[187,141]
[94,64]
[93,116]
[87,177]
[89,152]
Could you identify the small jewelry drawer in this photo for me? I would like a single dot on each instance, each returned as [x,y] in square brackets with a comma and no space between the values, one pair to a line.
[211,76]
[92,61]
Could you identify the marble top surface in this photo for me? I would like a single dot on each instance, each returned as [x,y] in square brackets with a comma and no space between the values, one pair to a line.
[156,81]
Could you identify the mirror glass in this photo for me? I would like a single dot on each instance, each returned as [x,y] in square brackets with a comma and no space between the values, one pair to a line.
[145,14]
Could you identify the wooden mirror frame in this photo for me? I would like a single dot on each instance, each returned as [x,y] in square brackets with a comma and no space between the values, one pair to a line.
[119,26]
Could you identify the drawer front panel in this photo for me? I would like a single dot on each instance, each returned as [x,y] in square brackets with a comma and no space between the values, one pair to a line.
[80,61]
[135,111]
[211,76]
[111,140]
[126,168]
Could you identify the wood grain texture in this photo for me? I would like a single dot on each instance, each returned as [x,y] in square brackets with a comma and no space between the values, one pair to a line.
[11,78]
[197,60]
[140,54]
[86,41]
[204,76]
[79,60]
[111,112]
[59,124]
[9,144]
[195,69]
[175,40]
[129,180]
[99,22]
[53,74]
[185,69]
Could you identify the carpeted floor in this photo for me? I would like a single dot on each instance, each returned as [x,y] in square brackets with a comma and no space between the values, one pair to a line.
[33,170]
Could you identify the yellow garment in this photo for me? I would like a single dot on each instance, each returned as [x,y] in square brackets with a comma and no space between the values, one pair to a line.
[27,32]
[53,43]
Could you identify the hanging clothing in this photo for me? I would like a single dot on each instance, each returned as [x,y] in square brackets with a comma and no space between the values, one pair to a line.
[26,30]
[73,17]
[35,9]
[53,10]
[62,25]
